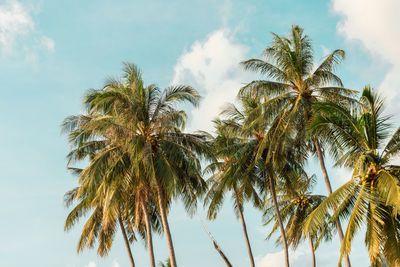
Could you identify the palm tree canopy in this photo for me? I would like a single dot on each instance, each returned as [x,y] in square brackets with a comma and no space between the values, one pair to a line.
[145,125]
[234,147]
[296,202]
[105,207]
[133,137]
[293,85]
[359,140]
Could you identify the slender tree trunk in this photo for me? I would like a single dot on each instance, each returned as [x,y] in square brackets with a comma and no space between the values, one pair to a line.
[164,220]
[222,254]
[278,216]
[246,237]
[216,246]
[128,248]
[149,236]
[329,188]
[312,251]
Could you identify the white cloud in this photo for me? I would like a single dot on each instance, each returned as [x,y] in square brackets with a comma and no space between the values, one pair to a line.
[376,24]
[17,29]
[325,52]
[301,257]
[115,264]
[342,175]
[326,255]
[91,264]
[15,21]
[212,67]
[48,43]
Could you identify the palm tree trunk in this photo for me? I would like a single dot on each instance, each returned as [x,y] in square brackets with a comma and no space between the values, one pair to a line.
[246,237]
[149,236]
[278,216]
[164,220]
[128,248]
[216,246]
[329,188]
[228,264]
[312,251]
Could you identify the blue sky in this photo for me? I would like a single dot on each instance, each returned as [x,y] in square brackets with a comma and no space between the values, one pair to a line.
[52,51]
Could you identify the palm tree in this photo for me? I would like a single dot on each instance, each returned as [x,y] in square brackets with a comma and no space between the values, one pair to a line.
[248,158]
[371,197]
[105,217]
[229,176]
[294,85]
[296,202]
[150,131]
[109,178]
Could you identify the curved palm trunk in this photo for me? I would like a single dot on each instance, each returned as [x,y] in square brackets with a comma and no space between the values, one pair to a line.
[244,227]
[329,188]
[312,251]
[128,248]
[278,216]
[164,220]
[149,236]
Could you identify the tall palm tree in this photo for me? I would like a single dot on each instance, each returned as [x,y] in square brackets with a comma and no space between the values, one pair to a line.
[293,85]
[229,176]
[109,177]
[248,156]
[150,131]
[371,197]
[296,202]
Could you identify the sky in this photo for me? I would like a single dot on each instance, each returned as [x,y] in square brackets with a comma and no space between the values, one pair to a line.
[51,52]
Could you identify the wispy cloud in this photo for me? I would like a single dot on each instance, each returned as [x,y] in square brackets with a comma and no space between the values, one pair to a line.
[341,176]
[91,264]
[301,257]
[376,25]
[115,264]
[48,43]
[18,32]
[212,67]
